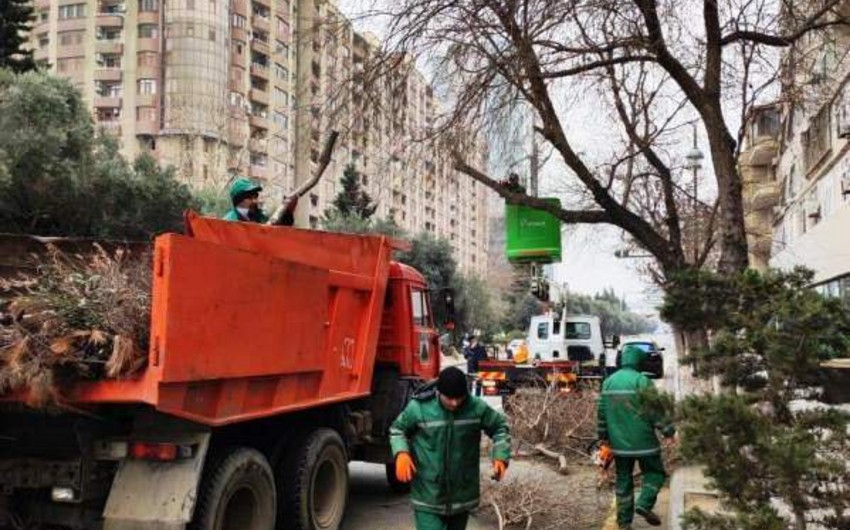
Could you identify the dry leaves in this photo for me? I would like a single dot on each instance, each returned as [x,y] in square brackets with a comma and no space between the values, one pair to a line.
[78,317]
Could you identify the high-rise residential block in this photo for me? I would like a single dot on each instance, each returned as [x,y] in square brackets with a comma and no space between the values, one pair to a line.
[220,87]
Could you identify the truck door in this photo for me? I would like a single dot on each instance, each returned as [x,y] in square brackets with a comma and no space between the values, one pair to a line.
[426,345]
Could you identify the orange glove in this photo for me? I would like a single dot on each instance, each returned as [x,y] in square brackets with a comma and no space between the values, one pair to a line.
[404,468]
[500,467]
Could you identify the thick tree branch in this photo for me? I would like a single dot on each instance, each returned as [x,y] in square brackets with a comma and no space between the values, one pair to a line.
[565,216]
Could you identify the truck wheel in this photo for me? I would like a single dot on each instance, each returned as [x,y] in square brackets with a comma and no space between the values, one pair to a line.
[237,493]
[315,483]
[395,485]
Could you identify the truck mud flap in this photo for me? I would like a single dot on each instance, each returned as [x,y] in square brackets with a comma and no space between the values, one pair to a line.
[149,495]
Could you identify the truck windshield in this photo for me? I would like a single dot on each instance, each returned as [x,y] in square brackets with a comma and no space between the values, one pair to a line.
[577,331]
[419,302]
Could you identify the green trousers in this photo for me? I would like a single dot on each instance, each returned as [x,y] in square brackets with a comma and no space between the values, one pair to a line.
[652,469]
[432,521]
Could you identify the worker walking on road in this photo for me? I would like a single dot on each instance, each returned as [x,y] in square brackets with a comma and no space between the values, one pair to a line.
[436,444]
[631,433]
[474,354]
[245,196]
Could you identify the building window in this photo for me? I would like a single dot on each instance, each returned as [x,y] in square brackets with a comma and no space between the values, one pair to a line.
[69,64]
[190,4]
[109,115]
[69,38]
[109,34]
[212,35]
[147,86]
[148,5]
[72,11]
[314,222]
[108,89]
[110,61]
[238,21]
[43,41]
[816,140]
[314,200]
[281,72]
[190,29]
[148,31]
[280,97]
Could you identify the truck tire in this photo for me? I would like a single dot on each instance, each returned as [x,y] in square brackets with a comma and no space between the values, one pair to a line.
[237,493]
[315,483]
[396,486]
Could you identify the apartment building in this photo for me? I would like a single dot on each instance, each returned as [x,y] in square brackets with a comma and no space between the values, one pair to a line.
[382,123]
[798,164]
[203,85]
[217,87]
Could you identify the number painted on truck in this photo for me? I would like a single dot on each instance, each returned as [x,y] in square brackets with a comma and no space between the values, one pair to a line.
[346,359]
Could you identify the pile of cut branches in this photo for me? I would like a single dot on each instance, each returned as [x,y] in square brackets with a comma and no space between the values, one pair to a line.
[78,317]
[555,424]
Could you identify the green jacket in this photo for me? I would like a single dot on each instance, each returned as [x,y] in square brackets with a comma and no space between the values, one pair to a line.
[630,431]
[446,448]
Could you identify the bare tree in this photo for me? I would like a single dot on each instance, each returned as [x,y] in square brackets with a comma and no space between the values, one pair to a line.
[649,67]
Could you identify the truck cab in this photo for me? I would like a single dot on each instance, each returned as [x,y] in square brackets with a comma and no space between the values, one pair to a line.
[554,337]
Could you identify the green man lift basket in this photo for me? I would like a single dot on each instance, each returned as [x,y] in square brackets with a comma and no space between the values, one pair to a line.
[534,236]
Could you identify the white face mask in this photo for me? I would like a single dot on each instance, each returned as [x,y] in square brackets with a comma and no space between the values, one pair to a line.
[243,211]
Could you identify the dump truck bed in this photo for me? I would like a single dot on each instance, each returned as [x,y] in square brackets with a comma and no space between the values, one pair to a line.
[249,321]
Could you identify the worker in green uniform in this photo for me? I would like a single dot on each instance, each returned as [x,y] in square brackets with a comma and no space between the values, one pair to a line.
[436,444]
[631,433]
[245,197]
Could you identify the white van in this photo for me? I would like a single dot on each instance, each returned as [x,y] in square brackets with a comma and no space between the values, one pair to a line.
[553,337]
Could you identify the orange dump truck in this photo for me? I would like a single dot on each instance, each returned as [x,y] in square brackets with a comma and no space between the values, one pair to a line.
[277,356]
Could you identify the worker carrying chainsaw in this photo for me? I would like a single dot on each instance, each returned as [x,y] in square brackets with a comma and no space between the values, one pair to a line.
[631,433]
[436,444]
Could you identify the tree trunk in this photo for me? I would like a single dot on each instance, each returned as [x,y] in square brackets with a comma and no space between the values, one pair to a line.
[733,237]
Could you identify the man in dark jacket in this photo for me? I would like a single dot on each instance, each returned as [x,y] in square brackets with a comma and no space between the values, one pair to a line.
[436,443]
[630,431]
[474,353]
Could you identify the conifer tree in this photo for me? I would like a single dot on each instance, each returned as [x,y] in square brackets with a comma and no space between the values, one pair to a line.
[16,17]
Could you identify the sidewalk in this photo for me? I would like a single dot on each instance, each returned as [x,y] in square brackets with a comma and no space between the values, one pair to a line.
[662,507]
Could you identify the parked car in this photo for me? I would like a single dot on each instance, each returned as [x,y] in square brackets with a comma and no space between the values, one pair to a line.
[654,364]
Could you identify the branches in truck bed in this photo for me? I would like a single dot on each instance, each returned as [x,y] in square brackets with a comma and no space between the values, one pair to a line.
[78,317]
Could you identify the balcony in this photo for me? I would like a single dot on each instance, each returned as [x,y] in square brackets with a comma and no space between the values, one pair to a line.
[107,47]
[260,46]
[146,100]
[107,74]
[147,72]
[148,128]
[148,17]
[147,45]
[238,34]
[237,85]
[112,127]
[259,96]
[109,20]
[77,50]
[258,144]
[764,195]
[70,24]
[106,102]
[260,23]
[240,7]
[260,122]
[260,71]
